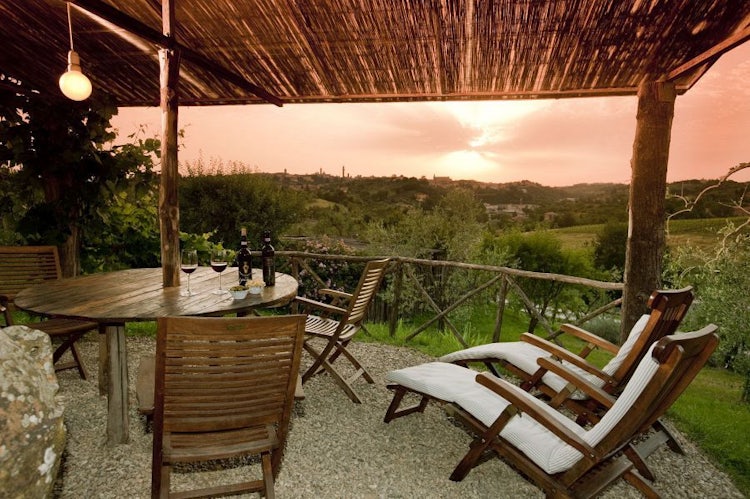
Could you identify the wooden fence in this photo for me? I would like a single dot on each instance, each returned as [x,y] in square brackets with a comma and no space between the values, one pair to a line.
[503,281]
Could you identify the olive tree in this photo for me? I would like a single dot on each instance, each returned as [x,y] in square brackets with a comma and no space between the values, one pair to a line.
[721,279]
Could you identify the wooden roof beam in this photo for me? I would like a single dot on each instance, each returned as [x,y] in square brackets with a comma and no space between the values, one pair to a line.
[711,55]
[136,27]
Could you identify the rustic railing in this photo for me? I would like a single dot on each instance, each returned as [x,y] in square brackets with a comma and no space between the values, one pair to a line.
[504,280]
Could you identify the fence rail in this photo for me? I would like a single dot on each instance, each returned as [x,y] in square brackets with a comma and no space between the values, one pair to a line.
[429,279]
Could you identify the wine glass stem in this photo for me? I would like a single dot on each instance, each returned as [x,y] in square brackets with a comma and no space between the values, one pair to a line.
[219,281]
[188,284]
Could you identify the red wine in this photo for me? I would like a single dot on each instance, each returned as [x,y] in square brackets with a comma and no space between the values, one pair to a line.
[219,266]
[188,269]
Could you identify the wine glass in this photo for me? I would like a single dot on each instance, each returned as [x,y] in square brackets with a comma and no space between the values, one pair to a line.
[219,264]
[188,264]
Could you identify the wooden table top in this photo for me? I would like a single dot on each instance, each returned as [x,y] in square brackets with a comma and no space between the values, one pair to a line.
[138,295]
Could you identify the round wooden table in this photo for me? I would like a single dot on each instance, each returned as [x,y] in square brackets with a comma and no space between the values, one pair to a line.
[114,298]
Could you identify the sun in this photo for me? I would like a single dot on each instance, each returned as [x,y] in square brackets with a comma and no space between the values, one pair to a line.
[493,124]
[468,164]
[492,120]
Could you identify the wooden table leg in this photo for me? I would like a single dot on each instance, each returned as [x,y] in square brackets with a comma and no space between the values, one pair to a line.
[299,392]
[118,422]
[103,362]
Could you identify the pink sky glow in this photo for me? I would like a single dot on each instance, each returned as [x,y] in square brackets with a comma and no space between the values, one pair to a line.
[552,142]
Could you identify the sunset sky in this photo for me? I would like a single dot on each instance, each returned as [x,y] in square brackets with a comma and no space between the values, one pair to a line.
[552,142]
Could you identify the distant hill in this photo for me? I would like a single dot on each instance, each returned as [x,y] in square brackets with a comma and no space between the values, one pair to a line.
[524,201]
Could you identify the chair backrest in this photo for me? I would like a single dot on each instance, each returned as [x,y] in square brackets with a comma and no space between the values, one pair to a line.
[368,286]
[668,308]
[224,373]
[660,378]
[24,266]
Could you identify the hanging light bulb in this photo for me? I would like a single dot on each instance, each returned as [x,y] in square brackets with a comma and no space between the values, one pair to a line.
[74,84]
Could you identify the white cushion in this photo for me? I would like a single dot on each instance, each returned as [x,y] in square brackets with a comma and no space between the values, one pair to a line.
[633,390]
[437,379]
[635,333]
[519,353]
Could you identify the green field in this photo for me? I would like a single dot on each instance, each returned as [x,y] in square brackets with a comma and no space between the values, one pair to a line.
[702,233]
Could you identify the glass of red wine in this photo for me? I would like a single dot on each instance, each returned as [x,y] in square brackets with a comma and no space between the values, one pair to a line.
[188,264]
[219,264]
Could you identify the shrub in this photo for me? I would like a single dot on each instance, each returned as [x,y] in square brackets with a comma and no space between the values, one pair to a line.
[336,274]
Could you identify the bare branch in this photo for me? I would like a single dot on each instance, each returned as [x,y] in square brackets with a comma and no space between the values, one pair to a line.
[690,204]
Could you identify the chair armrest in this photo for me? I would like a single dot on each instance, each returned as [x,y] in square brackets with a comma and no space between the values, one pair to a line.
[589,338]
[578,383]
[335,293]
[326,308]
[562,354]
[338,298]
[526,403]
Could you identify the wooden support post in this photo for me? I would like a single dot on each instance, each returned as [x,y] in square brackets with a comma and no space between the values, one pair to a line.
[169,211]
[648,187]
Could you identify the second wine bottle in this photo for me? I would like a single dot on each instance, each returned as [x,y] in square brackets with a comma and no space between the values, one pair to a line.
[244,260]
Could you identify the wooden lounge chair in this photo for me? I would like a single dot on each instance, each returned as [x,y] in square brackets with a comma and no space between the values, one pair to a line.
[559,456]
[224,388]
[337,325]
[561,385]
[24,266]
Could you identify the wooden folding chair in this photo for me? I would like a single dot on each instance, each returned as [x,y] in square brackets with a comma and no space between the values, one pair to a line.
[24,266]
[224,388]
[559,456]
[336,326]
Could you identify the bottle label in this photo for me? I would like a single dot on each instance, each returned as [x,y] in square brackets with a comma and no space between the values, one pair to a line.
[244,269]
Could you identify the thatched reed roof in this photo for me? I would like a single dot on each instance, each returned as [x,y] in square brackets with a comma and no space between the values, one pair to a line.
[374,50]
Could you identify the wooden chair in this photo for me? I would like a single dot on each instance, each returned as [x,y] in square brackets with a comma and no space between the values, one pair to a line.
[224,388]
[337,325]
[24,266]
[559,456]
[567,383]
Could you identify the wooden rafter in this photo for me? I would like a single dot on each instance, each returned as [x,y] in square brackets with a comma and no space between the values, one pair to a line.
[134,26]
[704,60]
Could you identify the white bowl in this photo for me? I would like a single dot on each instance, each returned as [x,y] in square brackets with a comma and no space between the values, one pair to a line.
[256,290]
[239,295]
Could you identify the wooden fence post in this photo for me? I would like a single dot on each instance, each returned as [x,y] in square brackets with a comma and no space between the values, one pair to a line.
[502,293]
[393,313]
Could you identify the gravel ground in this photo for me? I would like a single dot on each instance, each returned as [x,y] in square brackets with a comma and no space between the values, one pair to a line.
[335,448]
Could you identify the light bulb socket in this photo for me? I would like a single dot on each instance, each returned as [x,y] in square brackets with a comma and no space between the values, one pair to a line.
[74,62]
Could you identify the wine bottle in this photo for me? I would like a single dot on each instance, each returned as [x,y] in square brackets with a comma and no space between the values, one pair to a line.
[244,260]
[267,255]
